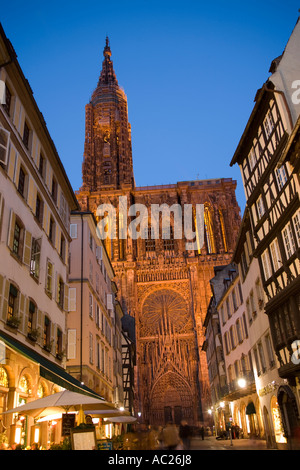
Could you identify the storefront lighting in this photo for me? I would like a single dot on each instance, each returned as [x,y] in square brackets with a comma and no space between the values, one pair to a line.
[222,404]
[36,434]
[17,435]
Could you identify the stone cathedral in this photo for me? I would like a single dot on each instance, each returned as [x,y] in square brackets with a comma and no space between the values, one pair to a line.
[161,283]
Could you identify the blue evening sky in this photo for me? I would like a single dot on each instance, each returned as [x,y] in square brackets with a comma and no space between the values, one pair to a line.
[190,70]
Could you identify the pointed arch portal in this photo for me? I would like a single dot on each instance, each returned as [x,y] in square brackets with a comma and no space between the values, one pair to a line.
[171,400]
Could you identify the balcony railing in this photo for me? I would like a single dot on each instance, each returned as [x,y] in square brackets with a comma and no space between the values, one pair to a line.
[240,386]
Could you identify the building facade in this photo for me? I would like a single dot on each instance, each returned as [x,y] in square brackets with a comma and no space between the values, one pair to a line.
[162,279]
[94,354]
[268,158]
[35,203]
[264,420]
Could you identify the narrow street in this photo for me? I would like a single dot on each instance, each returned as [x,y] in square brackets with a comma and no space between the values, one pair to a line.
[211,443]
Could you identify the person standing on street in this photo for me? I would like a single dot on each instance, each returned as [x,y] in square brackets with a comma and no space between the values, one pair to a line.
[185,434]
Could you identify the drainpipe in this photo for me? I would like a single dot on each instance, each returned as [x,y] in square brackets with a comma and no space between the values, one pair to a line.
[81,297]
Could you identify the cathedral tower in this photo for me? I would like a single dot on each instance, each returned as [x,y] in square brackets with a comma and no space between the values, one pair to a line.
[163,283]
[107,150]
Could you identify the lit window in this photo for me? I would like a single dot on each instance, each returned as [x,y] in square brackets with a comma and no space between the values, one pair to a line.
[31,318]
[3,377]
[35,258]
[49,277]
[24,384]
[47,331]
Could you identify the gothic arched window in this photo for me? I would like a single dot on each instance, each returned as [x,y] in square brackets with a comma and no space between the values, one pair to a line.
[221,217]
[209,233]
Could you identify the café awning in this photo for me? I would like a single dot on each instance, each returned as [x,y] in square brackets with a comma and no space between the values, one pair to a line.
[48,369]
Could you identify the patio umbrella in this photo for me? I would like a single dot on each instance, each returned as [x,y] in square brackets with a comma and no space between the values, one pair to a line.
[65,401]
[106,413]
[122,419]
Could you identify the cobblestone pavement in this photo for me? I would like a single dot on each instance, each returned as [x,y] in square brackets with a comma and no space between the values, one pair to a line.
[211,443]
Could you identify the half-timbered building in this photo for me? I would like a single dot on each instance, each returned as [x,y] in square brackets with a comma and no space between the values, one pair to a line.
[267,156]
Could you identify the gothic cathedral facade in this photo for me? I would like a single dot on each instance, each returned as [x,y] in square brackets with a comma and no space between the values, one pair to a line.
[162,281]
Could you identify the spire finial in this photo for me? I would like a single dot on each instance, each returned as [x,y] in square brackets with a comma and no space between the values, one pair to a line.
[107,51]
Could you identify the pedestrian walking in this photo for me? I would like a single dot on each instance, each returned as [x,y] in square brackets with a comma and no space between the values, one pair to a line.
[202,432]
[170,436]
[185,434]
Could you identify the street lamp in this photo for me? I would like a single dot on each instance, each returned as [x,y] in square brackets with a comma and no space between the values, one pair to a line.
[242,383]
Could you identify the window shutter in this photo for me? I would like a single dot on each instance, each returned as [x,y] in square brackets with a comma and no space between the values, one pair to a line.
[57,237]
[11,163]
[17,170]
[1,210]
[56,286]
[72,299]
[73,230]
[27,248]
[39,325]
[5,301]
[66,297]
[22,312]
[32,191]
[11,228]
[71,353]
[17,112]
[1,288]
[109,302]
[4,144]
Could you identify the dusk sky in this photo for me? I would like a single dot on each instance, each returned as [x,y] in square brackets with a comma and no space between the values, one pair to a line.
[190,70]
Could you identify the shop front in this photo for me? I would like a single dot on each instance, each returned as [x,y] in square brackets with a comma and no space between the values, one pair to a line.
[25,376]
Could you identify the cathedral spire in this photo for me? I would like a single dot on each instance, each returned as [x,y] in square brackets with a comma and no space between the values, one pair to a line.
[107,76]
[107,160]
